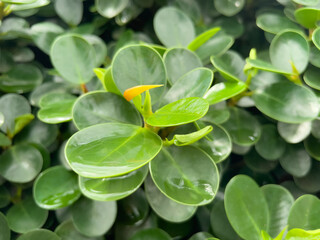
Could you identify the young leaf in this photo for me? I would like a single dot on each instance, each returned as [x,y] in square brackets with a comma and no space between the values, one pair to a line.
[202,38]
[307,17]
[296,233]
[180,112]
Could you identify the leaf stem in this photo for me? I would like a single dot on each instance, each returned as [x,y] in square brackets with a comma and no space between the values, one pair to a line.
[84,88]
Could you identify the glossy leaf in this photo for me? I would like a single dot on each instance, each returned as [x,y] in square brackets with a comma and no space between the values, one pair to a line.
[35,4]
[179,34]
[296,234]
[69,11]
[182,57]
[99,46]
[186,174]
[26,215]
[165,207]
[151,233]
[114,188]
[19,1]
[287,48]
[21,121]
[56,107]
[304,213]
[287,102]
[279,202]
[270,145]
[307,17]
[72,55]
[312,147]
[12,106]
[294,133]
[4,228]
[243,128]
[307,2]
[187,139]
[97,151]
[93,218]
[146,68]
[1,119]
[223,91]
[110,9]
[193,84]
[180,112]
[21,163]
[217,114]
[316,37]
[311,78]
[246,207]
[56,188]
[230,65]
[314,56]
[266,66]
[202,38]
[296,160]
[275,22]
[39,234]
[230,7]
[310,183]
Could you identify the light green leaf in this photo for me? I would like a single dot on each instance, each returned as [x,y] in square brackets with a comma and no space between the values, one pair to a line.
[18,1]
[287,102]
[202,38]
[114,188]
[229,7]
[34,4]
[21,121]
[223,91]
[186,174]
[39,234]
[246,207]
[102,107]
[111,149]
[72,56]
[99,46]
[146,68]
[4,140]
[187,139]
[217,114]
[179,34]
[180,112]
[93,218]
[294,133]
[266,66]
[306,2]
[300,234]
[110,9]
[287,48]
[56,188]
[56,107]
[307,17]
[69,11]
[316,37]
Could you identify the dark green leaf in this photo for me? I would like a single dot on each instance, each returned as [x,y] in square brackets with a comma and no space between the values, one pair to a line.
[4,228]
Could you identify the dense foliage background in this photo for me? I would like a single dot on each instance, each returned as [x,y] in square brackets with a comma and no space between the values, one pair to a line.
[228,146]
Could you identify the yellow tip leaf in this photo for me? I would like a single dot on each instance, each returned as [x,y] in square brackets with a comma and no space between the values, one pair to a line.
[130,93]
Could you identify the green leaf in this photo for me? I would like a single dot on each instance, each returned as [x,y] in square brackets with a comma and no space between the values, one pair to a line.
[300,234]
[216,46]
[21,163]
[72,56]
[5,233]
[246,207]
[39,234]
[103,107]
[12,106]
[202,38]
[243,128]
[294,133]
[114,188]
[279,201]
[223,91]
[270,145]
[219,222]
[275,22]
[93,218]
[230,65]
[310,183]
[180,112]
[287,102]
[21,78]
[69,11]
[229,7]
[56,188]
[44,33]
[6,61]
[110,9]
[182,57]
[19,1]
[111,149]
[34,4]
[187,139]
[23,55]
[5,198]
[4,140]
[21,121]
[166,208]
[306,2]
[56,107]
[26,215]
[186,174]
[146,68]
[201,236]
[296,160]
[109,84]
[287,48]
[151,233]
[266,66]
[99,46]
[67,231]
[257,163]
[307,17]
[193,84]
[217,114]
[311,78]
[305,213]
[179,34]
[312,147]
